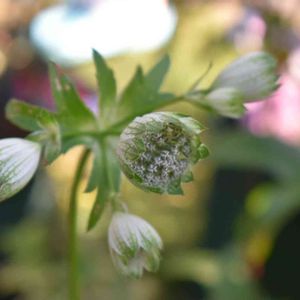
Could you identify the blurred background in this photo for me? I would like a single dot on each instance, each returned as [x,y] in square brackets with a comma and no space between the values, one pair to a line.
[235,234]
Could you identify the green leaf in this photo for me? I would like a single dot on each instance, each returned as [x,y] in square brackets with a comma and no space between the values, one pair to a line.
[105,176]
[73,115]
[98,208]
[70,142]
[42,122]
[157,74]
[106,86]
[95,175]
[27,116]
[141,94]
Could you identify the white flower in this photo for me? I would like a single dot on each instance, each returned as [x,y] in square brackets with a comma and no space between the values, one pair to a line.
[253,75]
[19,160]
[134,244]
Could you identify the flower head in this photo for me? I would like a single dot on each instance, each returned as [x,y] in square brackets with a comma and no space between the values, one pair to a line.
[134,244]
[19,160]
[253,75]
[156,151]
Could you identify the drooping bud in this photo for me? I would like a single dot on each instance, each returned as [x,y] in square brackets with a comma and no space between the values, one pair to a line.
[253,75]
[156,151]
[134,244]
[19,160]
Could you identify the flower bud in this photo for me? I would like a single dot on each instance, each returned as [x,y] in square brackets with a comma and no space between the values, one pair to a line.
[134,244]
[253,75]
[19,160]
[226,102]
[156,151]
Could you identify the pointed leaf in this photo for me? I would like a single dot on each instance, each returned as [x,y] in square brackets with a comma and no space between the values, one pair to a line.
[157,74]
[73,114]
[98,208]
[27,116]
[141,94]
[106,86]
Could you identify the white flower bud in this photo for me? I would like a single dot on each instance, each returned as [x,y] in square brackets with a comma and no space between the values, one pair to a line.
[253,75]
[226,102]
[134,244]
[19,160]
[156,151]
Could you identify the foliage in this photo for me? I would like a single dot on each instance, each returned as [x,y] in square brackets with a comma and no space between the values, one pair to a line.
[174,137]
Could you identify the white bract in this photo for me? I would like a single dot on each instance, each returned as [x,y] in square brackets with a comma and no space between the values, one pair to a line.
[253,75]
[134,244]
[19,160]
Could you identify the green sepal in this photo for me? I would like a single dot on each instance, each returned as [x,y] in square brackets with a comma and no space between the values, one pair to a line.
[203,151]
[42,122]
[193,126]
[107,88]
[187,176]
[175,188]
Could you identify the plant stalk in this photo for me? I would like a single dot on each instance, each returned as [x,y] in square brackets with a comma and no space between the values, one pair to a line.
[74,289]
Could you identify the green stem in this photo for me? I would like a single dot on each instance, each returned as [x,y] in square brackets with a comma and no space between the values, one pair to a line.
[74,291]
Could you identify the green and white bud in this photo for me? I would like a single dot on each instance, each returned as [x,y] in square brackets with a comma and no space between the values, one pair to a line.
[134,244]
[253,75]
[156,151]
[227,102]
[19,160]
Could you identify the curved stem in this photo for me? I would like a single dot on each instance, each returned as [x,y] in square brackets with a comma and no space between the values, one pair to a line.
[74,291]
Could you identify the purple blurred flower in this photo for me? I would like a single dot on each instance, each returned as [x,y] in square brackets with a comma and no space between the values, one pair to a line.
[279,115]
[249,33]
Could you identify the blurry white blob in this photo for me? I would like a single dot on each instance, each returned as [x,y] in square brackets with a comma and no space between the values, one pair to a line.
[67,33]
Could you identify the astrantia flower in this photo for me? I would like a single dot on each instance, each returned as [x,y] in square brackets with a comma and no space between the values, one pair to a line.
[19,160]
[253,76]
[156,151]
[134,244]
